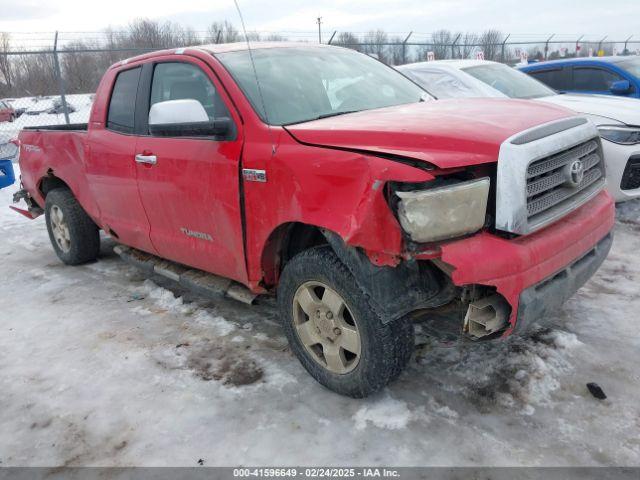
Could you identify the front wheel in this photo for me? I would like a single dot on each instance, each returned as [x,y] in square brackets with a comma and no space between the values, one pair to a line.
[74,236]
[332,329]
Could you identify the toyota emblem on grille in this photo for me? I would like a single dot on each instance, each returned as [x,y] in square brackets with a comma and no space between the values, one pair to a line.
[575,173]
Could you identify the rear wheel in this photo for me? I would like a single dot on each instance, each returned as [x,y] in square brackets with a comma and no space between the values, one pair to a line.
[333,330]
[74,236]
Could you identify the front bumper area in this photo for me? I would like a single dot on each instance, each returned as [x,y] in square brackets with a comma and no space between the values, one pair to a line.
[617,158]
[540,301]
[514,266]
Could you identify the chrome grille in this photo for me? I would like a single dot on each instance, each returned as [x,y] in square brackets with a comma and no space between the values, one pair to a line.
[550,183]
[534,185]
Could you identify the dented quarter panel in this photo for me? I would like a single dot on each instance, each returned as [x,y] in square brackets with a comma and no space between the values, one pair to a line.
[61,153]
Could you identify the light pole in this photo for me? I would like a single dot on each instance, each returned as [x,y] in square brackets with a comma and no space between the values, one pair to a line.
[319,29]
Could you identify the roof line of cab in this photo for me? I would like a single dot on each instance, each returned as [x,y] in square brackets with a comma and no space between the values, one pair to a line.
[217,48]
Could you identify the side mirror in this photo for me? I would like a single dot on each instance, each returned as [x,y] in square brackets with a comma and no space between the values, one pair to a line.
[185,118]
[621,87]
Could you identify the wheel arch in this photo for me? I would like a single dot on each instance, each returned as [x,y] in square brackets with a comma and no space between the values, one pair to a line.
[284,242]
[50,182]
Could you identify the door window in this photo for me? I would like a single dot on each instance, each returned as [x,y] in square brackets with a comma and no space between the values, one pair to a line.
[180,81]
[553,78]
[123,100]
[593,79]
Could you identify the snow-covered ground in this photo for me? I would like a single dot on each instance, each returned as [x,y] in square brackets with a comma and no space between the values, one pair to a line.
[100,366]
[80,102]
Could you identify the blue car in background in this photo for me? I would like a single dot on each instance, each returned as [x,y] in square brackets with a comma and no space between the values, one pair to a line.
[600,75]
[8,152]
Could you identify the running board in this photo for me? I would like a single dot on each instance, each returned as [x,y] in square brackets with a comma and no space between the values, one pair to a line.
[202,283]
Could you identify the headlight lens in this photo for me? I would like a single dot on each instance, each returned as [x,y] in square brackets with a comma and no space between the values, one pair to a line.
[444,212]
[623,135]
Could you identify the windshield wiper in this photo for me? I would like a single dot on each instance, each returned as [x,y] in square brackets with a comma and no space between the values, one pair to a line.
[335,114]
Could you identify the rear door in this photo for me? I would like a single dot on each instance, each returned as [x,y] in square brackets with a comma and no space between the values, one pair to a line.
[110,165]
[191,188]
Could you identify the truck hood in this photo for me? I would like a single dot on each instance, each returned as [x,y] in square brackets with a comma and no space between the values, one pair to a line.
[619,109]
[445,133]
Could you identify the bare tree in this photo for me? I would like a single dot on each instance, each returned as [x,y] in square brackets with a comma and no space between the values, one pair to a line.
[186,36]
[397,51]
[375,44]
[347,39]
[466,45]
[5,63]
[222,32]
[35,74]
[82,70]
[490,42]
[441,44]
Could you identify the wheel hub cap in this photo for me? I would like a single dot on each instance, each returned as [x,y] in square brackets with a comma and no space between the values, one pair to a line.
[60,229]
[326,327]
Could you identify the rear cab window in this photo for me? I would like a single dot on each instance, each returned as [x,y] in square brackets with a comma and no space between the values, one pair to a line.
[121,115]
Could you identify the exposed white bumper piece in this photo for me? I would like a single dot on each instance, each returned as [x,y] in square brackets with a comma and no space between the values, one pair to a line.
[444,212]
[617,156]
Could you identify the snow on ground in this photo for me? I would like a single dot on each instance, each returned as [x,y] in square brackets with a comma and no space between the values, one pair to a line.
[80,102]
[101,366]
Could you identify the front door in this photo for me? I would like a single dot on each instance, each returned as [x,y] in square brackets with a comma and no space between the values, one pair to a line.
[111,169]
[593,80]
[189,185]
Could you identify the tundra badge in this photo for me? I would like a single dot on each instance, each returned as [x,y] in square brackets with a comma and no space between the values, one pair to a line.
[251,175]
[200,235]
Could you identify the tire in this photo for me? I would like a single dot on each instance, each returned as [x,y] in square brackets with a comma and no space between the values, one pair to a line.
[384,349]
[80,241]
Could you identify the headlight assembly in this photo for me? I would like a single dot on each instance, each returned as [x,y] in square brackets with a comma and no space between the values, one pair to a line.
[620,134]
[444,212]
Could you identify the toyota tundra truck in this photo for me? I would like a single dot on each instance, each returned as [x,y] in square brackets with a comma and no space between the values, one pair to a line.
[322,176]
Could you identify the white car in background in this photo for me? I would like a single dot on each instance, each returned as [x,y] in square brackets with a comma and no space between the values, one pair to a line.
[617,118]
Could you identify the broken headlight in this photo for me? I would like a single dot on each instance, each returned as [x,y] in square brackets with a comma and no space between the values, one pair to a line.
[444,212]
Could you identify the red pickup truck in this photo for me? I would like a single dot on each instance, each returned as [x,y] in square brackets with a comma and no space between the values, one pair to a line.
[323,176]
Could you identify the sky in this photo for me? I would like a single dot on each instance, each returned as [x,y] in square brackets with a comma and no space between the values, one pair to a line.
[595,18]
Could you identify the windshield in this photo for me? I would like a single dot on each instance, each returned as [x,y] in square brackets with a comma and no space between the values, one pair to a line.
[632,66]
[302,84]
[509,81]
[440,84]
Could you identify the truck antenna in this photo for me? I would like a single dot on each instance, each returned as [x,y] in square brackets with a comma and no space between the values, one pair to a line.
[255,74]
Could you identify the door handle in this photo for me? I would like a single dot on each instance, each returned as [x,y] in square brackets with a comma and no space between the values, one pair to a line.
[148,159]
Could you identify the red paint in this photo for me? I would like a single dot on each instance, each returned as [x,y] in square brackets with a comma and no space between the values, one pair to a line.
[196,184]
[26,213]
[514,265]
[7,113]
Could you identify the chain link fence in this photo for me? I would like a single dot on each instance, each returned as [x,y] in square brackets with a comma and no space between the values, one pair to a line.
[52,84]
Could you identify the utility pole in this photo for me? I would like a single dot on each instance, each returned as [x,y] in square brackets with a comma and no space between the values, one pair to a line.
[319,21]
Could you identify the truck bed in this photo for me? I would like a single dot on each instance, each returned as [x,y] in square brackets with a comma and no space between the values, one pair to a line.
[55,150]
